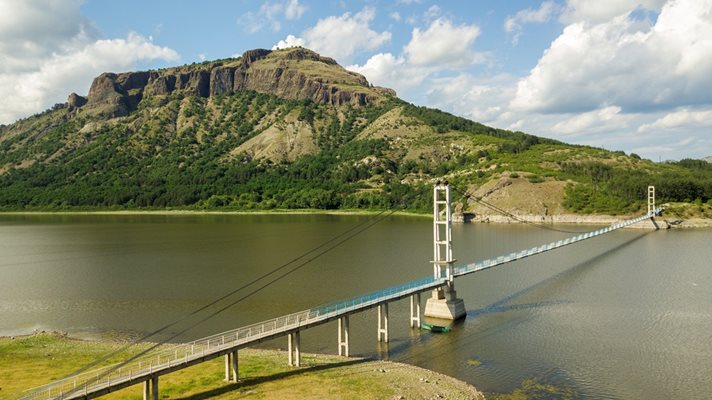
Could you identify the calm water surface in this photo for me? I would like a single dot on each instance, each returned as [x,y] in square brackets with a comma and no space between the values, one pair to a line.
[623,316]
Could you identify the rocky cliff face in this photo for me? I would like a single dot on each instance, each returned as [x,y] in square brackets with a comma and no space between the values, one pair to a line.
[295,73]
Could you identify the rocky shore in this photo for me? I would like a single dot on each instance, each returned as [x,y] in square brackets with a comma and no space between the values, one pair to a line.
[30,361]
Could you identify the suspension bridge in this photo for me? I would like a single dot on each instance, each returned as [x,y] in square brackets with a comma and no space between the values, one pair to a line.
[442,303]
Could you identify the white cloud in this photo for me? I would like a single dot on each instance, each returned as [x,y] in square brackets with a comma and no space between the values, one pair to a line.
[49,49]
[602,120]
[633,64]
[482,99]
[432,12]
[683,119]
[344,36]
[270,14]
[293,10]
[32,30]
[395,16]
[540,15]
[289,41]
[385,69]
[603,10]
[443,44]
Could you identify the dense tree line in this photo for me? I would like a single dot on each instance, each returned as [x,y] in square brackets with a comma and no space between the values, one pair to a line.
[161,163]
[614,190]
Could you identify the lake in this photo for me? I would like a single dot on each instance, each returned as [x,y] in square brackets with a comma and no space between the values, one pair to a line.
[622,316]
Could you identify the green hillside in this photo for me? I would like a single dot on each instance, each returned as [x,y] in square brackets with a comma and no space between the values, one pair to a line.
[290,129]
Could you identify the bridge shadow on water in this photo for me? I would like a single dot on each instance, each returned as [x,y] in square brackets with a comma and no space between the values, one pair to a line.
[463,337]
[422,347]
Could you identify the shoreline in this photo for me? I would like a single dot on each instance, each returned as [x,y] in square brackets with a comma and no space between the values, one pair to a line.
[553,220]
[263,373]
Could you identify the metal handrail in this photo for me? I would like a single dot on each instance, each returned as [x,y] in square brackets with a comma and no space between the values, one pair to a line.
[165,358]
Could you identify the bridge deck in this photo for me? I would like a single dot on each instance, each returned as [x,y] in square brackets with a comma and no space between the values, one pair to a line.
[112,378]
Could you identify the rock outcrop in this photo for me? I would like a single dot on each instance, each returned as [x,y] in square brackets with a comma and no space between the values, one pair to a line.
[75,101]
[295,73]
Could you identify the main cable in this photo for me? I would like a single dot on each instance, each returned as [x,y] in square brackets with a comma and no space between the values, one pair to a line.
[507,213]
[349,234]
[250,294]
[223,297]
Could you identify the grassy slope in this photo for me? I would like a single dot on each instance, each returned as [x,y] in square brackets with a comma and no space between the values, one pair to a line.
[186,152]
[30,361]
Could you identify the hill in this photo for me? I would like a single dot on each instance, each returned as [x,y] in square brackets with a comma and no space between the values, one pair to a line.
[292,129]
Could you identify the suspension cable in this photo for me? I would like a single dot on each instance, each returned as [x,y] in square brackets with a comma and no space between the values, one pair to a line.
[346,235]
[507,213]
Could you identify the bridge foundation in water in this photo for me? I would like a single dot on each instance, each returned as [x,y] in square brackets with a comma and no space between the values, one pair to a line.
[444,302]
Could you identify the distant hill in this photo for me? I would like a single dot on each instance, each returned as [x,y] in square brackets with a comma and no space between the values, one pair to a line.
[293,129]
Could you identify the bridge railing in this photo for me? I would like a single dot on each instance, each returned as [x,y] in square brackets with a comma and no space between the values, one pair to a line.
[164,358]
[480,265]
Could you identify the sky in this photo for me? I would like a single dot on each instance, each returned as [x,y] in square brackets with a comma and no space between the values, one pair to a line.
[631,75]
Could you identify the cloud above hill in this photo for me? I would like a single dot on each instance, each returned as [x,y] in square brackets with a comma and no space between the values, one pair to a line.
[49,49]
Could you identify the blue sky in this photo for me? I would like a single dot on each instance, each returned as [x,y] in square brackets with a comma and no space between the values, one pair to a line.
[632,75]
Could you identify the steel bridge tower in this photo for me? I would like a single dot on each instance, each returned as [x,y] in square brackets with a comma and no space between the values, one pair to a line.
[444,302]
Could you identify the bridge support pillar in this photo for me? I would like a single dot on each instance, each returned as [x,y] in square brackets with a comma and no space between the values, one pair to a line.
[147,390]
[231,366]
[651,206]
[383,323]
[344,336]
[415,311]
[154,388]
[235,374]
[294,349]
[150,388]
[444,304]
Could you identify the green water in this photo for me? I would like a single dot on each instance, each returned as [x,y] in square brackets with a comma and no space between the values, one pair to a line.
[627,315]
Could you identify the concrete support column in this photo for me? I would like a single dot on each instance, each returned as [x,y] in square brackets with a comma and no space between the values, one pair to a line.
[383,323]
[227,367]
[234,366]
[293,345]
[344,336]
[147,390]
[154,388]
[415,310]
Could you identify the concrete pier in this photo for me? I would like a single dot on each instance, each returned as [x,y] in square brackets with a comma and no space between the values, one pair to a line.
[415,311]
[383,323]
[231,367]
[444,304]
[344,336]
[293,344]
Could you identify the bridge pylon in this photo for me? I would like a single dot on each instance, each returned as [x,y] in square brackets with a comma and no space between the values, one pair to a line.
[651,206]
[444,302]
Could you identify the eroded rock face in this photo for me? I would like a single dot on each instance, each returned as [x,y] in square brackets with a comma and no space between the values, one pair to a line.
[289,74]
[75,101]
[108,98]
[222,80]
